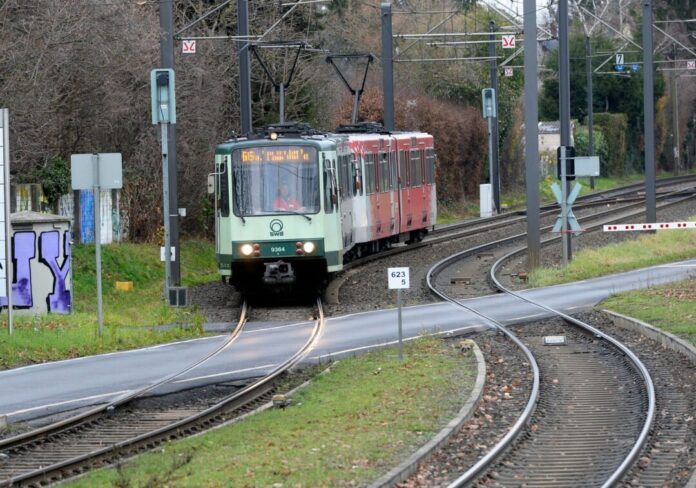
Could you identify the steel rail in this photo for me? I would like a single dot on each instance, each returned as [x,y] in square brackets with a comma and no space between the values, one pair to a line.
[642,369]
[473,472]
[476,470]
[31,436]
[248,394]
[437,237]
[529,409]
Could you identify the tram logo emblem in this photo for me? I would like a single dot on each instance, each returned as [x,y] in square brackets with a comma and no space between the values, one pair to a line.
[276,226]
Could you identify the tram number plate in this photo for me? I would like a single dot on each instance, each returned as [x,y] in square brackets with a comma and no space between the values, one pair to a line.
[278,249]
[398,278]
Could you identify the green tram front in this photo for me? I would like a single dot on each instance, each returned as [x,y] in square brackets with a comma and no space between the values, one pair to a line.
[276,216]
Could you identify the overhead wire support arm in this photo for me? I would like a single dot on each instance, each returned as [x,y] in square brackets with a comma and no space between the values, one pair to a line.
[283,85]
[356,92]
[202,17]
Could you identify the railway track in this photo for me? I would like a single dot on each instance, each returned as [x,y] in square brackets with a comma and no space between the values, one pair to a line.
[574,426]
[617,199]
[135,424]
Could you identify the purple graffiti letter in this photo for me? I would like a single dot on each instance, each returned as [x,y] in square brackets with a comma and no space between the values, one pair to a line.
[23,251]
[60,300]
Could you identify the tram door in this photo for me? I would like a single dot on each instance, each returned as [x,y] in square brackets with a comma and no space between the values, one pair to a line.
[405,215]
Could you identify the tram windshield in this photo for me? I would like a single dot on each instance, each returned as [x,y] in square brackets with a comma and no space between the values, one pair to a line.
[270,180]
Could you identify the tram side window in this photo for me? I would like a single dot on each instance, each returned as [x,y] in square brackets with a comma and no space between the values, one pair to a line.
[384,172]
[223,193]
[415,168]
[430,165]
[402,169]
[392,171]
[369,174]
[342,176]
[424,167]
[328,186]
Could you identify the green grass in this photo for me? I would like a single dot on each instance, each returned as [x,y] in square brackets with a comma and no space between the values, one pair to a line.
[646,250]
[50,337]
[347,428]
[671,307]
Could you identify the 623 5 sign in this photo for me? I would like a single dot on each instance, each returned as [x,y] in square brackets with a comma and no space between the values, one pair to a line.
[398,278]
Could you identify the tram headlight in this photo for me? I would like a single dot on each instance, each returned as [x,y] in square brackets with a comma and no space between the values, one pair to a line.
[308,247]
[247,249]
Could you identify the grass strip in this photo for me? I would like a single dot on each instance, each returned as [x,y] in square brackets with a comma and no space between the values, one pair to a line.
[647,250]
[39,338]
[347,428]
[671,308]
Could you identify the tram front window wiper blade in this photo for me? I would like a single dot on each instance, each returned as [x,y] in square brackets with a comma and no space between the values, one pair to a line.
[295,212]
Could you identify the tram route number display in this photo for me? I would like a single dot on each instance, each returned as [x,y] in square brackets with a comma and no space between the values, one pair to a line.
[286,154]
[398,278]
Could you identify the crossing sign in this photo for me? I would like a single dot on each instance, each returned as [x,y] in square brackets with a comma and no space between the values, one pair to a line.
[188,46]
[691,64]
[508,41]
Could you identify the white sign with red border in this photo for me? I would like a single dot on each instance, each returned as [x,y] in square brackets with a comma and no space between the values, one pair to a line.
[657,226]
[508,41]
[188,46]
[691,64]
[508,72]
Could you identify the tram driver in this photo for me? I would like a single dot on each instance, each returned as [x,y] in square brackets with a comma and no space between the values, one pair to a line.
[285,201]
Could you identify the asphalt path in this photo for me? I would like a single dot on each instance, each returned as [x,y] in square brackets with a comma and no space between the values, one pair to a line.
[39,390]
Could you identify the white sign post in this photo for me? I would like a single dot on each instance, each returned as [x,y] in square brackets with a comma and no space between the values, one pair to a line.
[5,227]
[97,172]
[399,279]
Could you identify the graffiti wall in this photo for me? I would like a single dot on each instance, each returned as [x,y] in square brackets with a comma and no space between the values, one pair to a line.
[41,260]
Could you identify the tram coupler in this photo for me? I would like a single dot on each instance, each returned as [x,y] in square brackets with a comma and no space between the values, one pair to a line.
[278,273]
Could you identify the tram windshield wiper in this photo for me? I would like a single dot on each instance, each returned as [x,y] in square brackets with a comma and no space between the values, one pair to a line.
[294,212]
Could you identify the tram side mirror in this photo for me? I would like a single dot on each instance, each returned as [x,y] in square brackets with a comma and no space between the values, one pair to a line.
[211,184]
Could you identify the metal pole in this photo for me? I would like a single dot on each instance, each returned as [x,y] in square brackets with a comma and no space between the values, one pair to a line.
[564,98]
[97,241]
[490,151]
[401,334]
[649,115]
[167,61]
[590,108]
[565,236]
[244,67]
[9,271]
[387,65]
[675,117]
[531,133]
[495,163]
[677,154]
[165,212]
[356,106]
[281,91]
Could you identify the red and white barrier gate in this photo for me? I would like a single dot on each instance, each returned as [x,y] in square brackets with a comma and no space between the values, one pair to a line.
[657,226]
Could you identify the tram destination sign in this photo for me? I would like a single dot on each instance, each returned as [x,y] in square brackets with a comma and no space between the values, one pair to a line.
[275,154]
